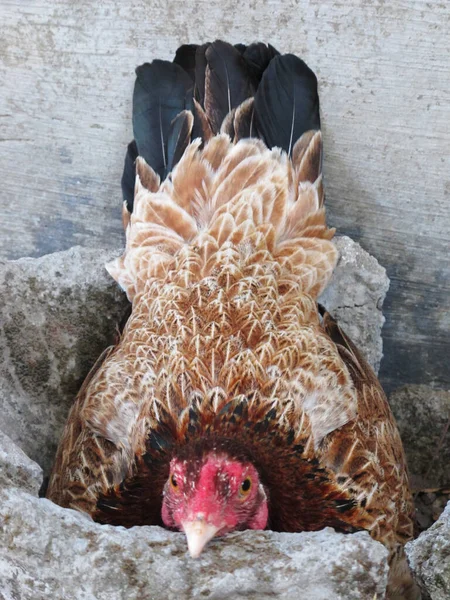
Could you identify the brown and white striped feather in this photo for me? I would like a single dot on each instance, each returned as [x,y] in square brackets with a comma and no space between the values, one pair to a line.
[223,263]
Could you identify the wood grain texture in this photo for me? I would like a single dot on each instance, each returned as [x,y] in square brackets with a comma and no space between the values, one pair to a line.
[67,73]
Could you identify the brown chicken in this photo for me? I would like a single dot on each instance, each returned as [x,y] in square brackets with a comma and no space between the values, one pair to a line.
[232,401]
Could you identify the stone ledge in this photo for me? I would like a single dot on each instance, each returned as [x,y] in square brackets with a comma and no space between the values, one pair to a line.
[429,559]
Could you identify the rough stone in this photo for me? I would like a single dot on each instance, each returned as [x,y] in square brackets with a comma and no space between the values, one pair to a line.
[16,469]
[423,418]
[60,311]
[57,314]
[50,552]
[355,298]
[429,558]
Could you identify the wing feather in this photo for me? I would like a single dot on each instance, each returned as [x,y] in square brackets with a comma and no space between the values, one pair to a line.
[87,463]
[368,450]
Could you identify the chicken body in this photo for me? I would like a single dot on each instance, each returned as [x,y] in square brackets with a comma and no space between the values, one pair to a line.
[225,353]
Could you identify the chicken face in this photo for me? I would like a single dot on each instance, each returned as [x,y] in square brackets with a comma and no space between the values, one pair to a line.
[211,497]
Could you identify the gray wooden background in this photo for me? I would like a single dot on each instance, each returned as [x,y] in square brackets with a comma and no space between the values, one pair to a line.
[66,79]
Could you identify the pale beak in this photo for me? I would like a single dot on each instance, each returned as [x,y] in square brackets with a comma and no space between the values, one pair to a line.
[198,534]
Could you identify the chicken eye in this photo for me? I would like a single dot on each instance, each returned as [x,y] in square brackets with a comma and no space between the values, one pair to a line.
[173,482]
[246,486]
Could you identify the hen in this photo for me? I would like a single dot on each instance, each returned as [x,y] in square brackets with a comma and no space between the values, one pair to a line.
[232,401]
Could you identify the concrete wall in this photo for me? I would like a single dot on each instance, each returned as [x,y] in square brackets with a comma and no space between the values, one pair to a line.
[383,67]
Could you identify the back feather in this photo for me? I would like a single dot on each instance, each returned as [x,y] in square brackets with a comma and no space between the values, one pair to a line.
[230,152]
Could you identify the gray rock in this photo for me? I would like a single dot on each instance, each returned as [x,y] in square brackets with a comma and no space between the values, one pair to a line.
[429,558]
[57,314]
[355,298]
[16,469]
[50,552]
[422,414]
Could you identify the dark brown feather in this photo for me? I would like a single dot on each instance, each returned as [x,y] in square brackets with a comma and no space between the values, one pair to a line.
[200,73]
[307,156]
[360,370]
[179,137]
[202,127]
[228,124]
[243,121]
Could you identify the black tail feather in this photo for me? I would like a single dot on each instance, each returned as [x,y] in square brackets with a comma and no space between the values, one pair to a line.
[129,175]
[185,57]
[221,78]
[159,96]
[240,48]
[227,82]
[286,102]
[258,57]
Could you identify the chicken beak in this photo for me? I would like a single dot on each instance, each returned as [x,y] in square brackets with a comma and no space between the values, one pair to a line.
[198,534]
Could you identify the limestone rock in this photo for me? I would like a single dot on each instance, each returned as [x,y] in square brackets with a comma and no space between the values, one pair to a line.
[423,418]
[422,414]
[355,298]
[50,552]
[429,558]
[57,314]
[16,469]
[60,311]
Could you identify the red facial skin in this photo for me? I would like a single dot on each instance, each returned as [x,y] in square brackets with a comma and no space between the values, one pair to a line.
[216,493]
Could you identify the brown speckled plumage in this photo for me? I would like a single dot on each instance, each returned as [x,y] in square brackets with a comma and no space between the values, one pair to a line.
[225,348]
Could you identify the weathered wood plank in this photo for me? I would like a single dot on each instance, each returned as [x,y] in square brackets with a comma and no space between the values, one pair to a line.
[67,75]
